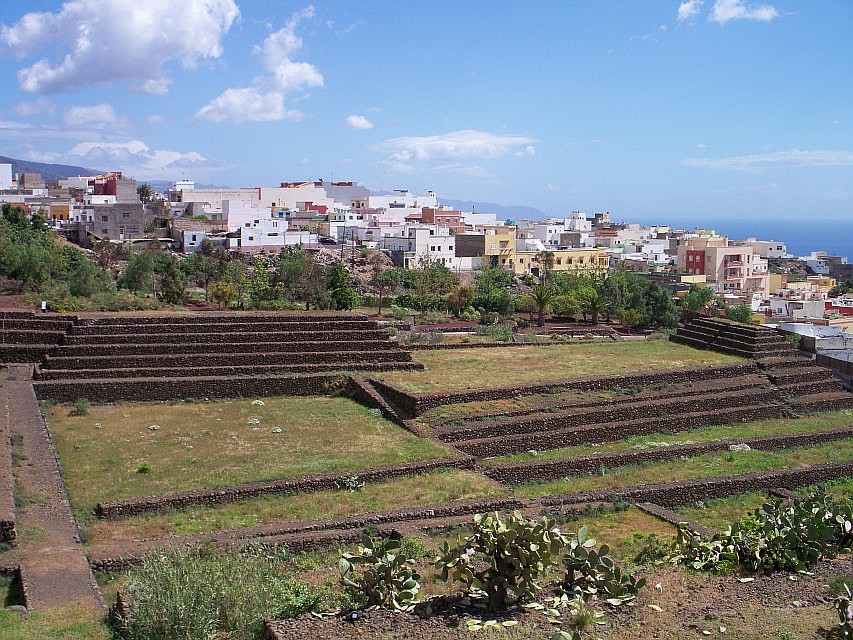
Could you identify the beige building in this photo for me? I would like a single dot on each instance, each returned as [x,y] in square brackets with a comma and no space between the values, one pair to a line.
[732,269]
[502,250]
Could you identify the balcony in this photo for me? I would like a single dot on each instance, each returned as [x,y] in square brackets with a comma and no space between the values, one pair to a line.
[732,263]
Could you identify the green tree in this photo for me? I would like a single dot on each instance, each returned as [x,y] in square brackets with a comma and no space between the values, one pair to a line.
[491,290]
[145,192]
[15,215]
[542,295]
[546,262]
[139,273]
[223,293]
[259,284]
[459,299]
[173,286]
[433,281]
[382,281]
[739,313]
[629,318]
[697,298]
[340,284]
[565,305]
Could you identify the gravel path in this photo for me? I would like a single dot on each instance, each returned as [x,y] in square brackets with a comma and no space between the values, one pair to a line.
[53,564]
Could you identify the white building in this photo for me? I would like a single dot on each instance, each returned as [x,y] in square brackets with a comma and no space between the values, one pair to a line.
[423,242]
[5,176]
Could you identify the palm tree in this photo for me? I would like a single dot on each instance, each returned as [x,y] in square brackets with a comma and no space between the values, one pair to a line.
[542,296]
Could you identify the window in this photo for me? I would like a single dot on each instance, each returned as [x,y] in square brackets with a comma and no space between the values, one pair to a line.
[193,238]
[105,218]
[493,246]
[125,216]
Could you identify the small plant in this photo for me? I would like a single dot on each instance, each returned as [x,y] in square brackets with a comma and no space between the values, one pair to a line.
[81,408]
[584,613]
[350,483]
[145,468]
[503,556]
[794,339]
[843,605]
[388,579]
[591,572]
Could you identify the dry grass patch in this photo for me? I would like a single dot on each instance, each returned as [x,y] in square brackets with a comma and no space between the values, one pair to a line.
[453,370]
[760,428]
[138,449]
[430,488]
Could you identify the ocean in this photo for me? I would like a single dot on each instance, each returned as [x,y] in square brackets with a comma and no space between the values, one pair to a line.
[801,237]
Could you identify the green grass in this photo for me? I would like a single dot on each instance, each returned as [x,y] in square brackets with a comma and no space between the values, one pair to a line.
[59,623]
[708,465]
[719,513]
[430,488]
[213,444]
[759,428]
[451,370]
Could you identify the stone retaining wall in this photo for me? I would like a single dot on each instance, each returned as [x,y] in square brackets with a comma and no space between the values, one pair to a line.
[513,474]
[193,360]
[608,432]
[626,410]
[205,318]
[15,354]
[674,494]
[305,484]
[224,337]
[201,349]
[162,389]
[415,404]
[225,327]
[250,370]
[727,385]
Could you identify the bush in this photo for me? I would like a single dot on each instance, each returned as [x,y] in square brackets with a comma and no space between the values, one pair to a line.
[503,557]
[500,333]
[388,579]
[81,408]
[489,317]
[776,537]
[591,572]
[400,313]
[208,593]
[794,339]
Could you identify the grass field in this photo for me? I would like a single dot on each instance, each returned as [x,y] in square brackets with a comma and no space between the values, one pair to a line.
[759,428]
[430,488]
[130,450]
[707,465]
[453,370]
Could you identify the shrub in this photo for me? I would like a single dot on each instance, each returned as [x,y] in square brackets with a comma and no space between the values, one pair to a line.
[388,579]
[501,333]
[503,556]
[399,313]
[208,593]
[591,572]
[778,536]
[145,468]
[794,339]
[81,408]
[489,317]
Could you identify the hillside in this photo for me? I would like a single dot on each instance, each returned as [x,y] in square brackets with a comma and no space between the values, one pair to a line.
[48,171]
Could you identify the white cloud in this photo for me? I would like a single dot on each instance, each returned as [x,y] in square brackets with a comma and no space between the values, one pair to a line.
[456,145]
[41,106]
[688,10]
[263,99]
[103,41]
[529,150]
[247,104]
[725,10]
[780,159]
[358,122]
[99,116]
[135,158]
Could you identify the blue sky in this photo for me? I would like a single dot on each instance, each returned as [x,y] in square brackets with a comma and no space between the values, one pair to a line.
[649,109]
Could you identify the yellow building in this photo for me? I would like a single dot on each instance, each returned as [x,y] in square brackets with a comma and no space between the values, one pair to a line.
[501,250]
[60,212]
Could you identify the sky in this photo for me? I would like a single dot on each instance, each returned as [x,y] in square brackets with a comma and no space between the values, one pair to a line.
[648,109]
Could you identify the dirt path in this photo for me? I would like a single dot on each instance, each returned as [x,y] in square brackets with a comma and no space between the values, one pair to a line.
[54,568]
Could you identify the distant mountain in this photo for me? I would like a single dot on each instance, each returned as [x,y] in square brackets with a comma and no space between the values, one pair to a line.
[48,171]
[504,212]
